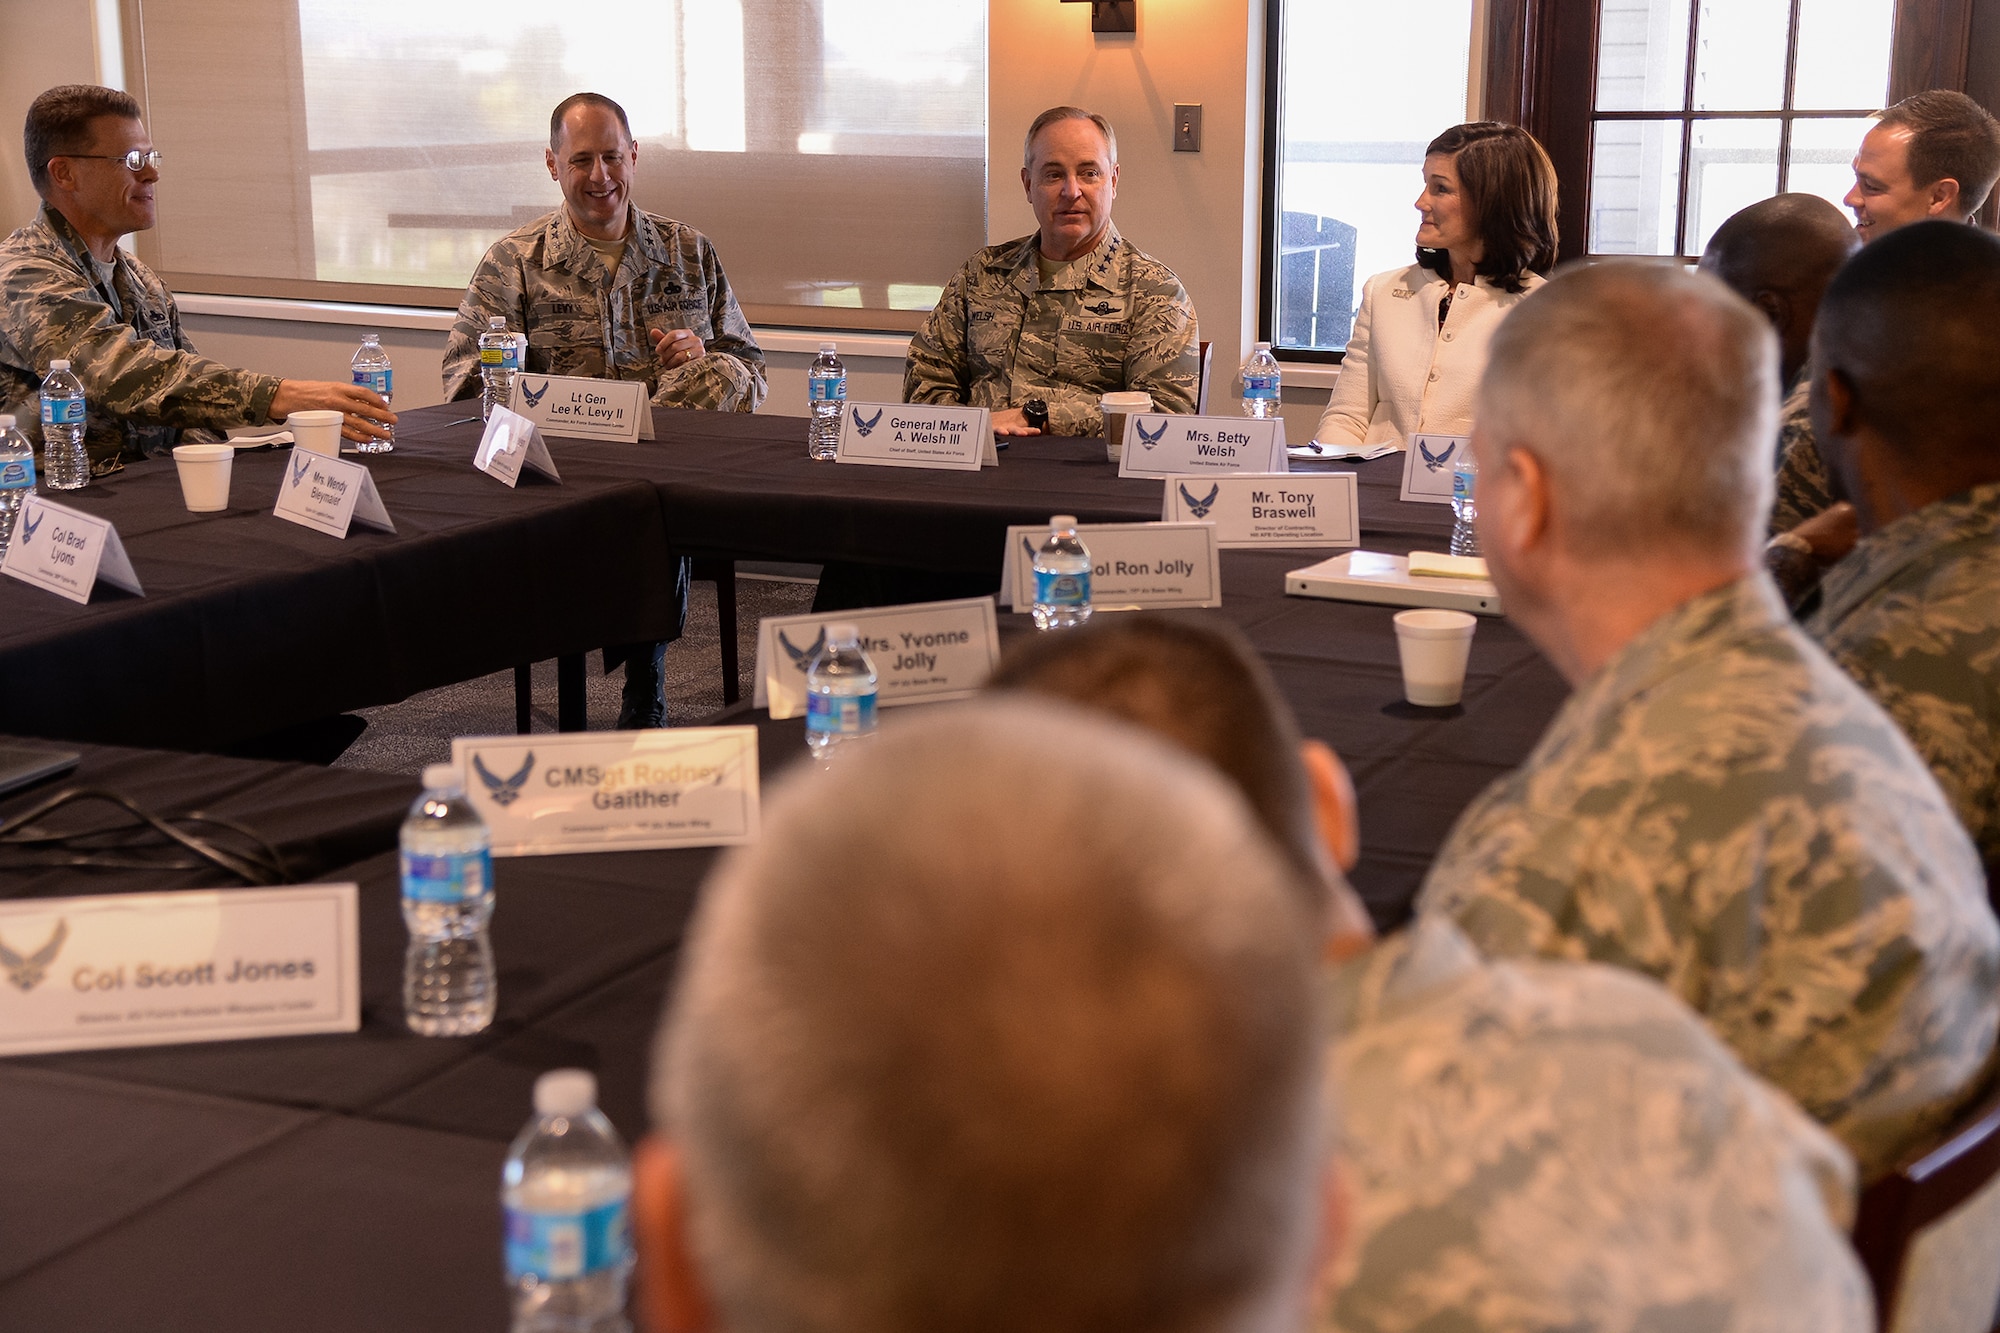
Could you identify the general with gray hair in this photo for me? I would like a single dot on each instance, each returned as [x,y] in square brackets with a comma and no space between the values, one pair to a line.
[1009,1024]
[1717,805]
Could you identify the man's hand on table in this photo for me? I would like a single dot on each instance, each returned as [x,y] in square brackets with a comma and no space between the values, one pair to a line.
[1012,421]
[676,348]
[365,414]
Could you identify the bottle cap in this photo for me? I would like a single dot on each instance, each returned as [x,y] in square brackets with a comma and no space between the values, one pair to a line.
[1263,347]
[442,777]
[58,365]
[1061,521]
[496,321]
[843,632]
[826,347]
[565,1092]
[6,421]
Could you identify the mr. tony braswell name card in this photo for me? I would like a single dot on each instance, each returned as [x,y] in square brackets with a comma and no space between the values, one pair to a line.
[1298,509]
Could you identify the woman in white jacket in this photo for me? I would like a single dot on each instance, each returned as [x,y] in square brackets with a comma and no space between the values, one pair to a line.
[1488,235]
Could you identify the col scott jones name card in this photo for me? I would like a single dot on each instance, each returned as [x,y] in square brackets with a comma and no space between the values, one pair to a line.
[615,791]
[1178,446]
[145,969]
[922,652]
[1298,509]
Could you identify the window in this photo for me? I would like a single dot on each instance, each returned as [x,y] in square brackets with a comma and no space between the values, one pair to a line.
[373,149]
[1354,91]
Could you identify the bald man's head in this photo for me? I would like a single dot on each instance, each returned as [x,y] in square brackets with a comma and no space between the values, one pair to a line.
[1779,254]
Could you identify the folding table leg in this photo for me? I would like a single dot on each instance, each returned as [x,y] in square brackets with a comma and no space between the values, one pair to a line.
[571,713]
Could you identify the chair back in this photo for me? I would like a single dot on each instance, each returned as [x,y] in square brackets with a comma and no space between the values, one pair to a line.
[1201,389]
[1929,1233]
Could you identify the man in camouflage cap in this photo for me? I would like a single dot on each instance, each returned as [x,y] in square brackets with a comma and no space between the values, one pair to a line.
[1036,329]
[68,292]
[605,290]
[1525,1144]
[1906,397]
[1718,805]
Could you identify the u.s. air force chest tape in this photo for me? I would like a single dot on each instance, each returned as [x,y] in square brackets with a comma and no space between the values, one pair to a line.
[1427,467]
[510,443]
[67,551]
[1297,509]
[584,409]
[923,652]
[615,791]
[329,494]
[1132,565]
[959,439]
[146,969]
[1168,446]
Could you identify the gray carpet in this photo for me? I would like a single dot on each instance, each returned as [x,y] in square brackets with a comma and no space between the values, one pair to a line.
[402,738]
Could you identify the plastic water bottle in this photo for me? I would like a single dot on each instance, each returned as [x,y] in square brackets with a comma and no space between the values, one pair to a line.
[1259,380]
[1062,577]
[499,359]
[449,988]
[65,462]
[372,371]
[826,389]
[17,478]
[840,693]
[567,1189]
[1464,503]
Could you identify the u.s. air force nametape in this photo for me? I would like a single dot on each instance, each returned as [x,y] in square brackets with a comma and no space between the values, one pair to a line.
[1132,565]
[908,435]
[144,969]
[1427,467]
[328,494]
[613,791]
[1298,509]
[922,653]
[67,551]
[512,442]
[1164,446]
[584,409]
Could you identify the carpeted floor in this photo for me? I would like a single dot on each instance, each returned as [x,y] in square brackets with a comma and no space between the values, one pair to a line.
[402,738]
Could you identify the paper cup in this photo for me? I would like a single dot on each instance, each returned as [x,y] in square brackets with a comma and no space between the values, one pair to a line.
[316,432]
[1116,407]
[204,470]
[1434,646]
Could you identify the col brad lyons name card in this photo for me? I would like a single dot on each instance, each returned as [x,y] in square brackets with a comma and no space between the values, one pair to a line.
[67,551]
[958,439]
[1132,565]
[585,409]
[613,791]
[923,652]
[329,494]
[145,969]
[1298,509]
[1165,446]
[1427,466]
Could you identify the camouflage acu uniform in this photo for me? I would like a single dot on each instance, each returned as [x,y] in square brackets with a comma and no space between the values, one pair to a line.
[548,282]
[142,379]
[1804,488]
[1913,613]
[1112,320]
[1723,809]
[1540,1145]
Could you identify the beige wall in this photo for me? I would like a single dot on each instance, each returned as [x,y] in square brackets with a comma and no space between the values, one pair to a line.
[42,43]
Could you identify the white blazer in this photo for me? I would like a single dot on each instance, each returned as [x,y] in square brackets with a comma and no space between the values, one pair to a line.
[1403,375]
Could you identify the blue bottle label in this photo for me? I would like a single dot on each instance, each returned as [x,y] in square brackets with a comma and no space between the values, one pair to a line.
[17,474]
[1054,589]
[556,1247]
[455,878]
[827,391]
[1464,484]
[382,381]
[62,411]
[1260,386]
[840,715]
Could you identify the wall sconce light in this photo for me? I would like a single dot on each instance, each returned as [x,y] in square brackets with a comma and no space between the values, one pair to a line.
[1111,15]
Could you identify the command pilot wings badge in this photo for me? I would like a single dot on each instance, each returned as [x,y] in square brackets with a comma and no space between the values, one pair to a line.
[802,657]
[27,973]
[1147,440]
[1199,508]
[1101,308]
[866,427]
[505,791]
[533,397]
[29,525]
[1435,462]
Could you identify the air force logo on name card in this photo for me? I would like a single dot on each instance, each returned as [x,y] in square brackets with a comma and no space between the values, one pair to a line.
[1435,461]
[27,971]
[531,395]
[865,428]
[1199,508]
[505,791]
[802,657]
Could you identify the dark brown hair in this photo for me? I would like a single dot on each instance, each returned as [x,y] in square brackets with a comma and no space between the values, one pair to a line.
[1950,135]
[1510,194]
[58,124]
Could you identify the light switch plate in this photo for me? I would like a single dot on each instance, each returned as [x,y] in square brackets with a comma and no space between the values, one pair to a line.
[1187,127]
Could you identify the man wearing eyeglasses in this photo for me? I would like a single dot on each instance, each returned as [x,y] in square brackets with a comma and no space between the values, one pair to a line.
[68,291]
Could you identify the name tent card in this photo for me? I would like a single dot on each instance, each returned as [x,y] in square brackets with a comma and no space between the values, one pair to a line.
[511,443]
[585,409]
[67,551]
[1132,565]
[146,969]
[329,494]
[909,435]
[923,652]
[1167,446]
[1299,509]
[613,791]
[1427,466]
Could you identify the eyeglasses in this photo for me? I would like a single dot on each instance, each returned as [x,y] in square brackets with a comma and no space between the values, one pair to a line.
[107,465]
[135,160]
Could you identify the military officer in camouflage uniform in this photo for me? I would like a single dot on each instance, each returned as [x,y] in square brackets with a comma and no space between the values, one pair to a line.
[1036,329]
[605,290]
[68,292]
[1908,393]
[1718,805]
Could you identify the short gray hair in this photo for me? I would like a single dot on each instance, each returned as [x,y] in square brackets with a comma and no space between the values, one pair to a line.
[1007,1023]
[1650,393]
[1056,113]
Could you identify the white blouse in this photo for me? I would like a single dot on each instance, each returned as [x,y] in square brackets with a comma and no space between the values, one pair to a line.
[1403,375]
